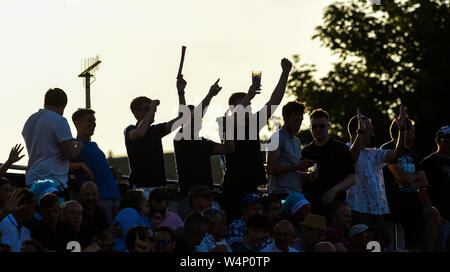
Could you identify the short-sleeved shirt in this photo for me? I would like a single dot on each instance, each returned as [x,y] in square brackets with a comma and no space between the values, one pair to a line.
[289,149]
[12,233]
[146,157]
[193,163]
[437,170]
[43,132]
[172,220]
[239,245]
[334,164]
[237,228]
[126,219]
[245,166]
[368,195]
[95,159]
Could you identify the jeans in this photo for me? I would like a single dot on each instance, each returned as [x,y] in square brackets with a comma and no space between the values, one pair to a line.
[442,237]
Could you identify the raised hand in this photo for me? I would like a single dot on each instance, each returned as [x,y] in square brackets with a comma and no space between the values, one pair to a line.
[140,246]
[286,65]
[181,85]
[401,119]
[361,123]
[215,89]
[14,155]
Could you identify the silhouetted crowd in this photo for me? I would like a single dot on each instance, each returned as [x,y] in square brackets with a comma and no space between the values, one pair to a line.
[326,196]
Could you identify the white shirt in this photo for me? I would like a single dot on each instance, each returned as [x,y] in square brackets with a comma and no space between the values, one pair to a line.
[42,132]
[368,195]
[13,234]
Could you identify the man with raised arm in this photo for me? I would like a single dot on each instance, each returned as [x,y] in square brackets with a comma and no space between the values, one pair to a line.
[49,141]
[143,141]
[367,198]
[245,167]
[192,152]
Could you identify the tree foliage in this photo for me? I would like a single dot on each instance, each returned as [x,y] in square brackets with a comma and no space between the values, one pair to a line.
[389,54]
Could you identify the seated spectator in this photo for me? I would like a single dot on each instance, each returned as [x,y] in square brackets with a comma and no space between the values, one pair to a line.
[313,231]
[251,205]
[324,247]
[195,228]
[72,216]
[32,245]
[158,202]
[133,212]
[283,236]
[258,232]
[214,240]
[139,239]
[295,208]
[94,217]
[341,222]
[359,236]
[164,239]
[12,226]
[271,208]
[200,197]
[49,230]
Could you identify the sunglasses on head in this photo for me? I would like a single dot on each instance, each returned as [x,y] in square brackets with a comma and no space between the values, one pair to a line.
[321,126]
[165,242]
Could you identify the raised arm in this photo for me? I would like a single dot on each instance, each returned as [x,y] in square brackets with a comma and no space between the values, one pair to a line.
[393,155]
[358,143]
[14,156]
[170,126]
[278,92]
[139,132]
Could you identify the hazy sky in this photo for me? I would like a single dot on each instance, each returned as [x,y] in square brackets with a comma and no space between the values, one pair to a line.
[139,43]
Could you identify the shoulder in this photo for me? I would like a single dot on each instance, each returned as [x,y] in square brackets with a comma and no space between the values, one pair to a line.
[388,145]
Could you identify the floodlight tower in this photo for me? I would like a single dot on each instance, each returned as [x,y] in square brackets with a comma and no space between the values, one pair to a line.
[90,66]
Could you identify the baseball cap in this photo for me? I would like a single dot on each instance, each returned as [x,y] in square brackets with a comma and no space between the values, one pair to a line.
[357,229]
[445,130]
[293,203]
[250,199]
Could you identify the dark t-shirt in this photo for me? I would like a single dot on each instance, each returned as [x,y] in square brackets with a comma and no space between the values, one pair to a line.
[334,163]
[245,166]
[437,170]
[94,223]
[193,163]
[146,157]
[57,240]
[401,198]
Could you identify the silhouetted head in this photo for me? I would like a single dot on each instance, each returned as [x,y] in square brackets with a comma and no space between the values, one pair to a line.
[140,106]
[319,124]
[56,100]
[84,121]
[293,116]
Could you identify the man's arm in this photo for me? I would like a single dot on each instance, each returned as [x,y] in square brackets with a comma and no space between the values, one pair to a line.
[393,155]
[181,85]
[81,165]
[71,149]
[401,177]
[274,168]
[139,132]
[278,93]
[342,186]
[358,143]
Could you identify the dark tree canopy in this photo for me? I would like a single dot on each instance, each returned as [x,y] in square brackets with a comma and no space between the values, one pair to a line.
[389,54]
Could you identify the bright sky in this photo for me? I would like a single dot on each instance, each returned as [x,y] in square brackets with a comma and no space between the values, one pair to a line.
[139,43]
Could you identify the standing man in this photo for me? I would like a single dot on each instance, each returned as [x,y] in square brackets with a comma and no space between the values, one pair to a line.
[437,170]
[335,168]
[245,167]
[367,198]
[284,164]
[95,159]
[143,142]
[49,142]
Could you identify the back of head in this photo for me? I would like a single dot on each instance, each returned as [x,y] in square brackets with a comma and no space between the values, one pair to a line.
[195,222]
[267,200]
[235,97]
[55,97]
[291,108]
[47,201]
[213,215]
[134,105]
[67,204]
[28,197]
[324,247]
[32,245]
